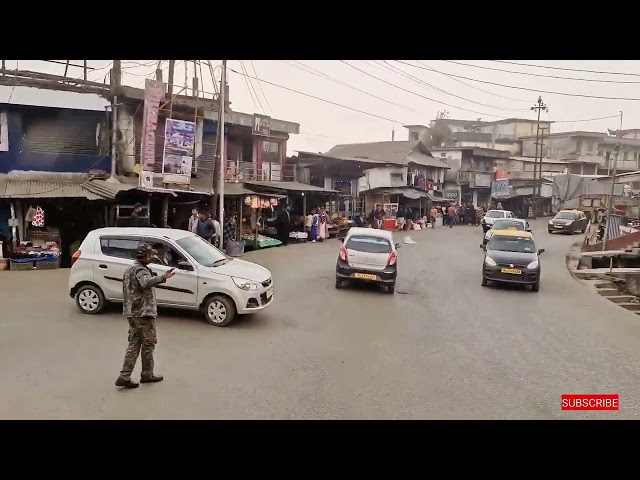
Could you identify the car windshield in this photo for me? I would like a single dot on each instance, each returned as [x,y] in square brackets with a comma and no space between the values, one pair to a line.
[202,251]
[508,225]
[495,214]
[565,216]
[368,244]
[511,244]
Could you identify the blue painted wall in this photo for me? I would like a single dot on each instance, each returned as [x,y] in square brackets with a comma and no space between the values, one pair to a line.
[17,159]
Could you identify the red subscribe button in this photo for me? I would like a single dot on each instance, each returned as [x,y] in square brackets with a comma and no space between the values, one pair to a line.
[591,402]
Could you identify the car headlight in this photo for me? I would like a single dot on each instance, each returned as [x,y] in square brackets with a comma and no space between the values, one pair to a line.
[246,285]
[569,223]
[489,261]
[550,222]
[533,265]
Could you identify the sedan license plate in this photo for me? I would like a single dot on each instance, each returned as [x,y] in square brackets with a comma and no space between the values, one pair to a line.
[366,276]
[513,271]
[269,293]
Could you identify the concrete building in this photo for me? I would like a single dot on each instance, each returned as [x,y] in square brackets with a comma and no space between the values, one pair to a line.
[590,151]
[471,171]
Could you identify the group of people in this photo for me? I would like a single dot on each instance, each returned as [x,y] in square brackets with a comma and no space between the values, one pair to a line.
[203,224]
[316,224]
[456,214]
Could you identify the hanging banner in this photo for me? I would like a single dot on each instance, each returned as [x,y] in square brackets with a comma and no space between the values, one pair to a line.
[261,125]
[153,95]
[177,159]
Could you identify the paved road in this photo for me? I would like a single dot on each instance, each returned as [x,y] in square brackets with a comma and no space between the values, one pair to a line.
[441,347]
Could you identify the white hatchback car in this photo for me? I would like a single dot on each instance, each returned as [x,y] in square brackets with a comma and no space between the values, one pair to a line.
[368,255]
[205,279]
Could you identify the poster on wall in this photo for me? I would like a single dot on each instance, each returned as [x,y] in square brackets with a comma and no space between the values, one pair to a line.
[261,125]
[4,132]
[179,142]
[153,95]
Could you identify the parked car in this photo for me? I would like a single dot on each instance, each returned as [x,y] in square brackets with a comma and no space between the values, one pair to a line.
[368,255]
[491,216]
[568,221]
[519,224]
[205,279]
[511,257]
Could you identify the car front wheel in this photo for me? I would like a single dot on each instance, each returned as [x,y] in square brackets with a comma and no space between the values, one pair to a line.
[219,311]
[90,299]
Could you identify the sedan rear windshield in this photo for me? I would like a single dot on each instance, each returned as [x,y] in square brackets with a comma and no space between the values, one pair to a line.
[368,244]
[511,244]
[565,216]
[508,225]
[495,214]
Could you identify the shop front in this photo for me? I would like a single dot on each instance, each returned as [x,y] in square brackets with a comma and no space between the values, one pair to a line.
[392,199]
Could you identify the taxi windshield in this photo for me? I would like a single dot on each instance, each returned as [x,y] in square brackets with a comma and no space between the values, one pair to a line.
[511,244]
[495,214]
[508,225]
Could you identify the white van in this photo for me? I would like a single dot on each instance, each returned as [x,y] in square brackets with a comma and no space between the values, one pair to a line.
[205,278]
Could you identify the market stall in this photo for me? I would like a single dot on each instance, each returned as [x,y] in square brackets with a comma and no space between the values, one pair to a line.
[40,251]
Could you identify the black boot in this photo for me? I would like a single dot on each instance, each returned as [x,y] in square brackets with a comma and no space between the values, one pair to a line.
[151,379]
[121,382]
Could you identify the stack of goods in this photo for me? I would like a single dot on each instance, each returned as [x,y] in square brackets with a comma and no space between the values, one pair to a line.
[263,242]
[254,201]
[35,254]
[299,236]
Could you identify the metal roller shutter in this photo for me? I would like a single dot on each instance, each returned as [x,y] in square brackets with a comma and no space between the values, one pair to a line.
[64,132]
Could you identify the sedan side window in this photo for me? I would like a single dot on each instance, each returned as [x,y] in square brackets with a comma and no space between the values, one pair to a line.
[166,253]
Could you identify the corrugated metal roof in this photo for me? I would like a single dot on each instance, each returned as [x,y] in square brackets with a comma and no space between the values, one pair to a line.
[291,186]
[43,189]
[106,190]
[401,153]
[408,192]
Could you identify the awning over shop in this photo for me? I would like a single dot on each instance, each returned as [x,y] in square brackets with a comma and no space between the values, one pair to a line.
[290,187]
[411,193]
[107,190]
[45,189]
[237,189]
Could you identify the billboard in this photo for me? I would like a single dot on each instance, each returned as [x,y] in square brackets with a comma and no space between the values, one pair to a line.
[179,144]
[261,125]
[153,95]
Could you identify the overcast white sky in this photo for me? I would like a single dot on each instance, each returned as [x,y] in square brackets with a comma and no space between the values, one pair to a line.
[401,101]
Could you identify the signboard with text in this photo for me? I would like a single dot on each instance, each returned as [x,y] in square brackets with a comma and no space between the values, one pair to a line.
[179,143]
[261,125]
[451,195]
[153,95]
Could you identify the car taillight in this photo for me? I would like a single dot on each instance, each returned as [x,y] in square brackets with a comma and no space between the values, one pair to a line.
[392,259]
[75,257]
[344,255]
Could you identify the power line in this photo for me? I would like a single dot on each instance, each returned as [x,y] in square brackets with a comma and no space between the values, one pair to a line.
[531,89]
[472,86]
[541,75]
[586,120]
[452,94]
[260,85]
[324,100]
[568,69]
[419,95]
[316,72]
[250,86]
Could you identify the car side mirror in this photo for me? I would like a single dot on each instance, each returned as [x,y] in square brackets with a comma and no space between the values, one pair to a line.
[483,247]
[184,265]
[398,245]
[541,251]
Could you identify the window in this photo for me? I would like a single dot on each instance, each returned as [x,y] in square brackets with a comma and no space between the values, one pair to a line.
[167,255]
[119,247]
[511,244]
[368,244]
[396,179]
[415,136]
[271,152]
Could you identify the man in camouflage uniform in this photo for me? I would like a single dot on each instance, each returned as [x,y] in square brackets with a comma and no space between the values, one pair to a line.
[141,310]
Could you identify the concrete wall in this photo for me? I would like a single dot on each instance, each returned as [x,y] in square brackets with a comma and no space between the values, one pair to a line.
[381,177]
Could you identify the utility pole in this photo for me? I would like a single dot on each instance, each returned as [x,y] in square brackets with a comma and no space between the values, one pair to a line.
[541,141]
[539,106]
[613,186]
[172,69]
[223,92]
[116,78]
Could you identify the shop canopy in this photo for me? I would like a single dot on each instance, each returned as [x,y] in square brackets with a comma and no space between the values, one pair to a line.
[45,189]
[237,189]
[411,193]
[296,187]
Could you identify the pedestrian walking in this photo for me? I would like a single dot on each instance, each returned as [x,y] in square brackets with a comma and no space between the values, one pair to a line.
[193,221]
[141,309]
[452,215]
[205,227]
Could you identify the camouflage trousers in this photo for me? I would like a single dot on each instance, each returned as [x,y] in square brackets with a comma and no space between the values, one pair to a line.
[142,336]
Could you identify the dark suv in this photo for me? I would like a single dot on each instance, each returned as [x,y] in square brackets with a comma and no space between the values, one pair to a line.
[568,221]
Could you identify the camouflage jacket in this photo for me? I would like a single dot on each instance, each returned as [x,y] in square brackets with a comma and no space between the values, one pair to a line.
[138,292]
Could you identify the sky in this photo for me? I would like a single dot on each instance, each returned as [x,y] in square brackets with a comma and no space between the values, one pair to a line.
[365,100]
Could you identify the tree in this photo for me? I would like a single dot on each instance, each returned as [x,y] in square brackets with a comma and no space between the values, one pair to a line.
[440,135]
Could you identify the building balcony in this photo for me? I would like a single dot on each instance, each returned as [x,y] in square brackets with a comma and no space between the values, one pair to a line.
[252,172]
[475,179]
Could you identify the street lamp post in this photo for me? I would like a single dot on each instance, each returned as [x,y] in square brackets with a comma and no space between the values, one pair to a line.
[537,169]
[607,225]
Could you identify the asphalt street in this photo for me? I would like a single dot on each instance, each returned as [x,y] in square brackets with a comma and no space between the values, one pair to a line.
[441,347]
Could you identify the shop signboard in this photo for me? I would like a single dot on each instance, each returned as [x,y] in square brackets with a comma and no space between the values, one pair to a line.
[500,187]
[261,125]
[153,95]
[177,159]
[451,195]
